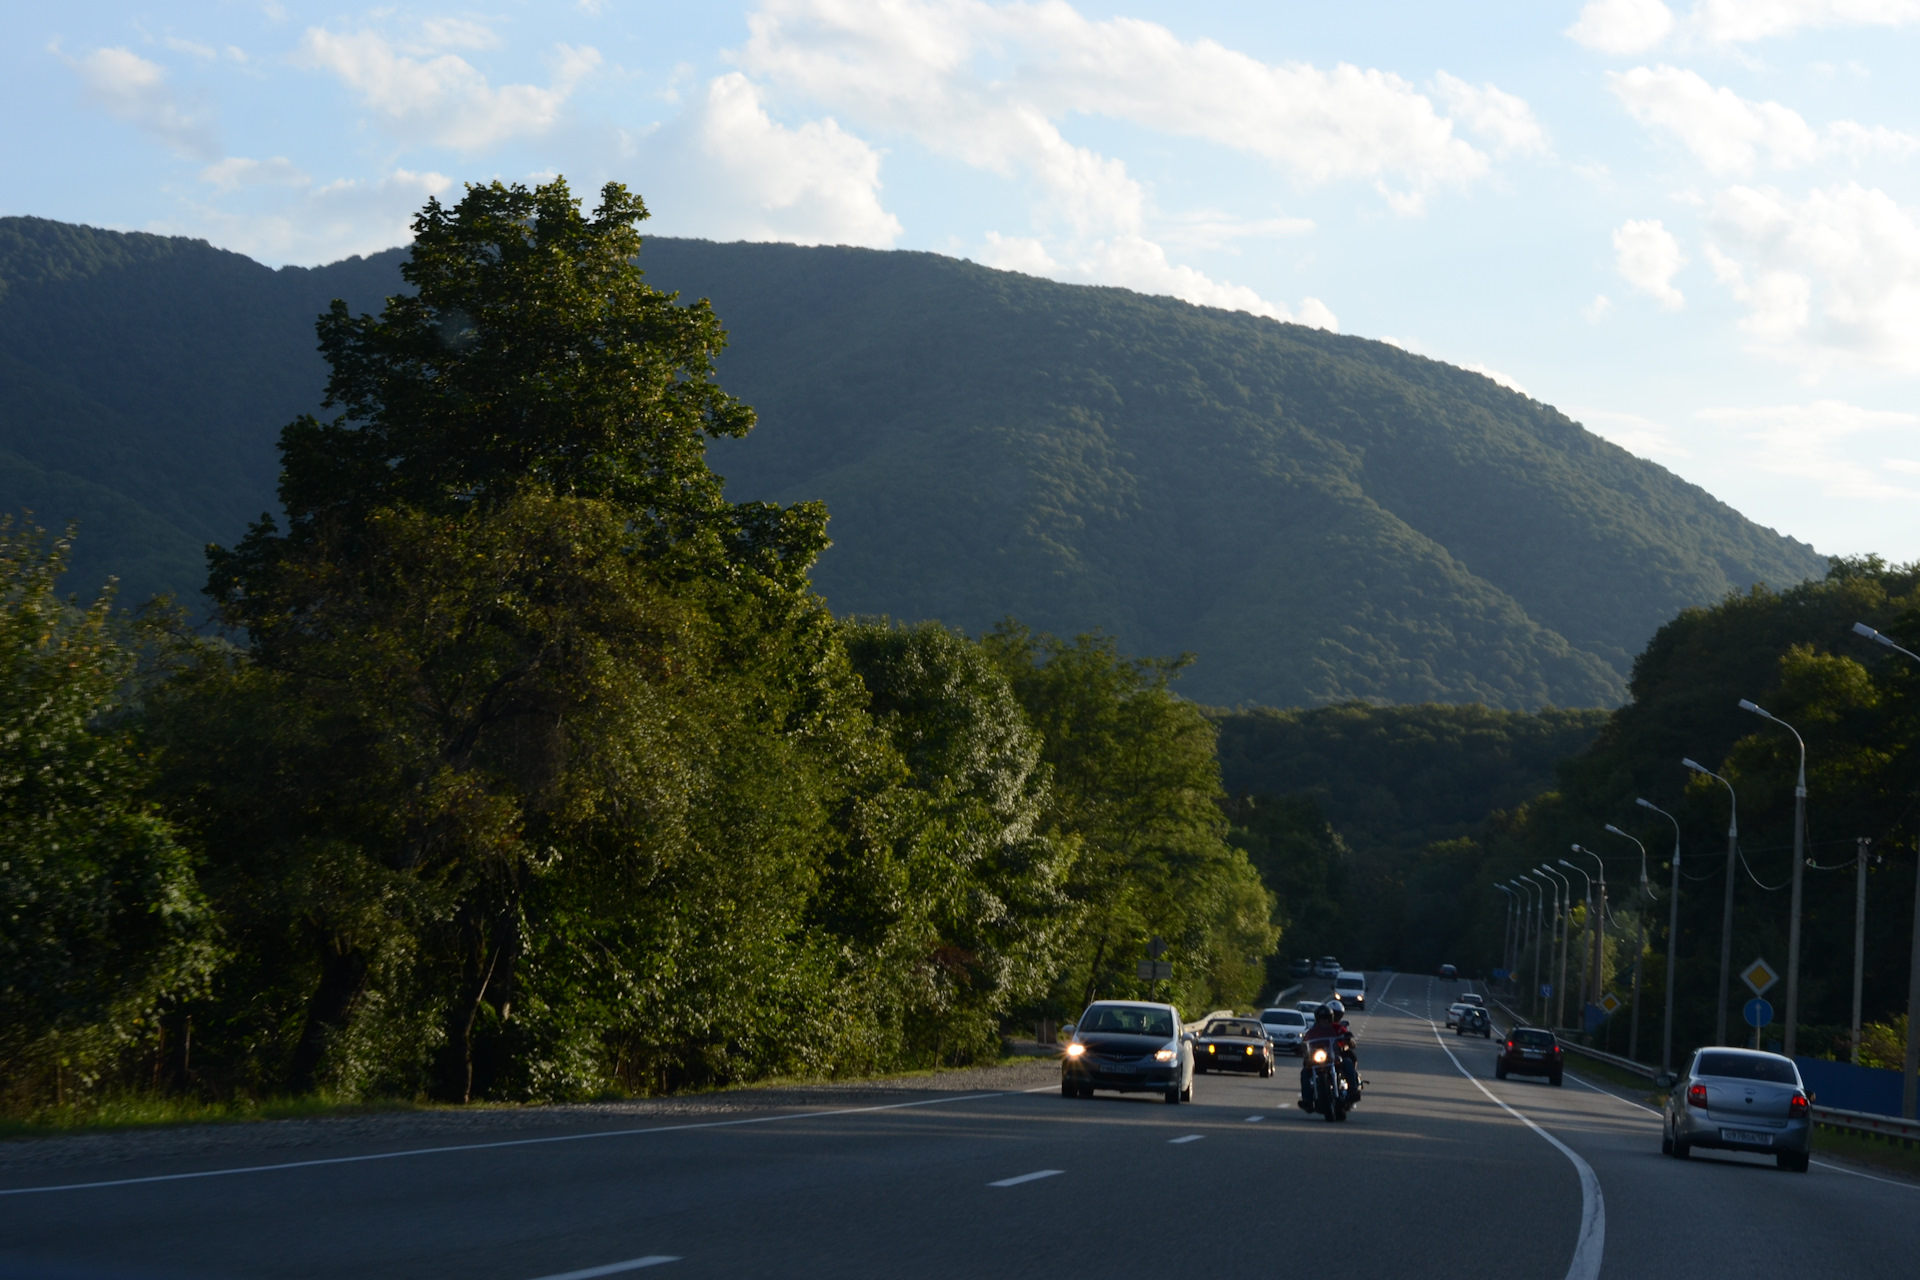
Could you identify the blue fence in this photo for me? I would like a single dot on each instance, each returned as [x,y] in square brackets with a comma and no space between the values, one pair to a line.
[1851,1088]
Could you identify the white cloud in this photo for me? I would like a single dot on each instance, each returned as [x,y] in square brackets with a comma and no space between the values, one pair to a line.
[1134,262]
[444,99]
[1596,310]
[236,172]
[1637,435]
[1494,375]
[1833,275]
[1211,229]
[987,83]
[1809,443]
[1648,257]
[1497,117]
[319,223]
[1622,26]
[458,33]
[727,169]
[128,87]
[1736,21]
[1727,133]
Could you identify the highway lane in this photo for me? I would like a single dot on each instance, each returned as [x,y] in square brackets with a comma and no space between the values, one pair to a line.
[1718,1213]
[1429,1178]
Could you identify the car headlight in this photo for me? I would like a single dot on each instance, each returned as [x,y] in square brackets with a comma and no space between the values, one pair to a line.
[1212,1049]
[1075,1050]
[1249,1051]
[1165,1055]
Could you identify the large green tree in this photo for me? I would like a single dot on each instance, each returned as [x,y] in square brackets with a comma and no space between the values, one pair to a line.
[103,926]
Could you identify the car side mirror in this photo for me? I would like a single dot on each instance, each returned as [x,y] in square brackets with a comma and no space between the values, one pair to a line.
[1069,1029]
[1665,1080]
[1188,1036]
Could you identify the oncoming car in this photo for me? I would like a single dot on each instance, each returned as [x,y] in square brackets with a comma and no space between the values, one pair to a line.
[1285,1027]
[1739,1100]
[1350,989]
[1233,1044]
[1130,1047]
[1326,967]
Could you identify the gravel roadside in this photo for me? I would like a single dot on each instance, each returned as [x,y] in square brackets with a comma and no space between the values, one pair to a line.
[276,1140]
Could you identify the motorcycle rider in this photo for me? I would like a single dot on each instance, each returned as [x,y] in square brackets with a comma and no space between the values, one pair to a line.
[1330,1029]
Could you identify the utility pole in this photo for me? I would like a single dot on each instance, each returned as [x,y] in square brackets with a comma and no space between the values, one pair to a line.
[1726,915]
[1673,938]
[1859,936]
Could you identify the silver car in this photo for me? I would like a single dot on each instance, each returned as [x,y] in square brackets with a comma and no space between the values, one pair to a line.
[1739,1100]
[1285,1027]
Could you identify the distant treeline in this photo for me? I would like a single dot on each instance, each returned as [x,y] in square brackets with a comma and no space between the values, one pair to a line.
[528,766]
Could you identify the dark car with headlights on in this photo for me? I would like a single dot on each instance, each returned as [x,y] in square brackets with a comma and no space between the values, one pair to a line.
[1530,1051]
[1130,1047]
[1739,1100]
[1233,1044]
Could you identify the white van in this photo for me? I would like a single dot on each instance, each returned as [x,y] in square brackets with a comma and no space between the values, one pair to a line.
[1350,989]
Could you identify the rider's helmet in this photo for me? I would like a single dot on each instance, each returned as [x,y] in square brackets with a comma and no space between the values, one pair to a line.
[1335,1010]
[1323,1014]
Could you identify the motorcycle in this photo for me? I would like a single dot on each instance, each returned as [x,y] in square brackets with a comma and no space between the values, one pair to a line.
[1331,1095]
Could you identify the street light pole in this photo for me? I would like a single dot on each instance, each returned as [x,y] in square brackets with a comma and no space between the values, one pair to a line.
[1566,927]
[1639,947]
[1586,957]
[1726,916]
[1859,936]
[1599,954]
[1911,1087]
[1539,912]
[1673,939]
[1506,928]
[1799,867]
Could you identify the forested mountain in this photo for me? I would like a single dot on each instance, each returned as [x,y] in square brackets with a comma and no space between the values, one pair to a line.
[1316,517]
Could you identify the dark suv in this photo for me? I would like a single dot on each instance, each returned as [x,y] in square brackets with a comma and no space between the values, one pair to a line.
[1529,1051]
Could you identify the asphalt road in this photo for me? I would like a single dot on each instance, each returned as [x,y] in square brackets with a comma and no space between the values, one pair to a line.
[1431,1177]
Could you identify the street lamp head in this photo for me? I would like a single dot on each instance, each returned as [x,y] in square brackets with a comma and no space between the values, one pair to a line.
[1862,629]
[1647,804]
[1617,831]
[1565,863]
[1694,765]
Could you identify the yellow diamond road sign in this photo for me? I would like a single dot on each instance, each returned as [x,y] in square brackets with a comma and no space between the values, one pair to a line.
[1759,976]
[1610,1002]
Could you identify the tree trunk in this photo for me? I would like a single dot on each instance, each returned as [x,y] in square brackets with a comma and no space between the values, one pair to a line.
[343,972]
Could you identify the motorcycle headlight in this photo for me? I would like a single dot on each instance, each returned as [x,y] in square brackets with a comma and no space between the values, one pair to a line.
[1319,1055]
[1075,1050]
[1166,1055]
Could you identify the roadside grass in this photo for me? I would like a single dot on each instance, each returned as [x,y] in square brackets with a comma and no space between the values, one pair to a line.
[1864,1149]
[112,1112]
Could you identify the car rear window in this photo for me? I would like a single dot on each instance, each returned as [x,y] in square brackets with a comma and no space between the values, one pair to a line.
[1533,1039]
[1224,1028]
[1740,1066]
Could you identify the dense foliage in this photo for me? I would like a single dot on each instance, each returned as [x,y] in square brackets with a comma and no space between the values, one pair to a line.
[1856,704]
[539,771]
[102,924]
[1316,517]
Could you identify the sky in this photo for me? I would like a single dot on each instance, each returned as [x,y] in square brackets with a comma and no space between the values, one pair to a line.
[1693,227]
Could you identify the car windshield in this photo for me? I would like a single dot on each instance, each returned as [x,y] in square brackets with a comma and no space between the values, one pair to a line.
[1247,1029]
[1469,999]
[1282,1017]
[1132,1020]
[1533,1039]
[1741,1066]
[1350,984]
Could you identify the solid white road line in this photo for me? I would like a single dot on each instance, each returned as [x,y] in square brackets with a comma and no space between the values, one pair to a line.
[1027,1177]
[1592,1241]
[1192,1137]
[615,1268]
[490,1146]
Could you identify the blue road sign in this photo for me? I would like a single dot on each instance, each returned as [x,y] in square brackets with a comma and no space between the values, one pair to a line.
[1546,990]
[1758,1012]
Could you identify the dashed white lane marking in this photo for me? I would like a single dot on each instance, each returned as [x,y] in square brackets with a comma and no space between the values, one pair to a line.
[1592,1241]
[1253,1119]
[1192,1137]
[614,1268]
[1028,1177]
[491,1146]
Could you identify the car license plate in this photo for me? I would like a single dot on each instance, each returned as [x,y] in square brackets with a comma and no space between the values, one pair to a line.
[1747,1137]
[1121,1071]
[1532,1053]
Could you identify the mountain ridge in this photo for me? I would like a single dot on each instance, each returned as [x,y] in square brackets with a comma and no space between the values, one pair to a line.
[1319,517]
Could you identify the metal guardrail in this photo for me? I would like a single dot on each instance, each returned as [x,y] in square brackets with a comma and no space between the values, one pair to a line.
[1868,1122]
[1611,1059]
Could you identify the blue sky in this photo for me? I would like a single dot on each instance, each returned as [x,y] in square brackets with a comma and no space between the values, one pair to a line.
[1694,227]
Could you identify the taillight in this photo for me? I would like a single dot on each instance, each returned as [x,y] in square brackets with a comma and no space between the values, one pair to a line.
[1798,1107]
[1509,1046]
[1556,1051]
[1697,1096]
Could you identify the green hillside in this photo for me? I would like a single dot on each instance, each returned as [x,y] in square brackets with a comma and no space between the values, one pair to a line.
[1316,517]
